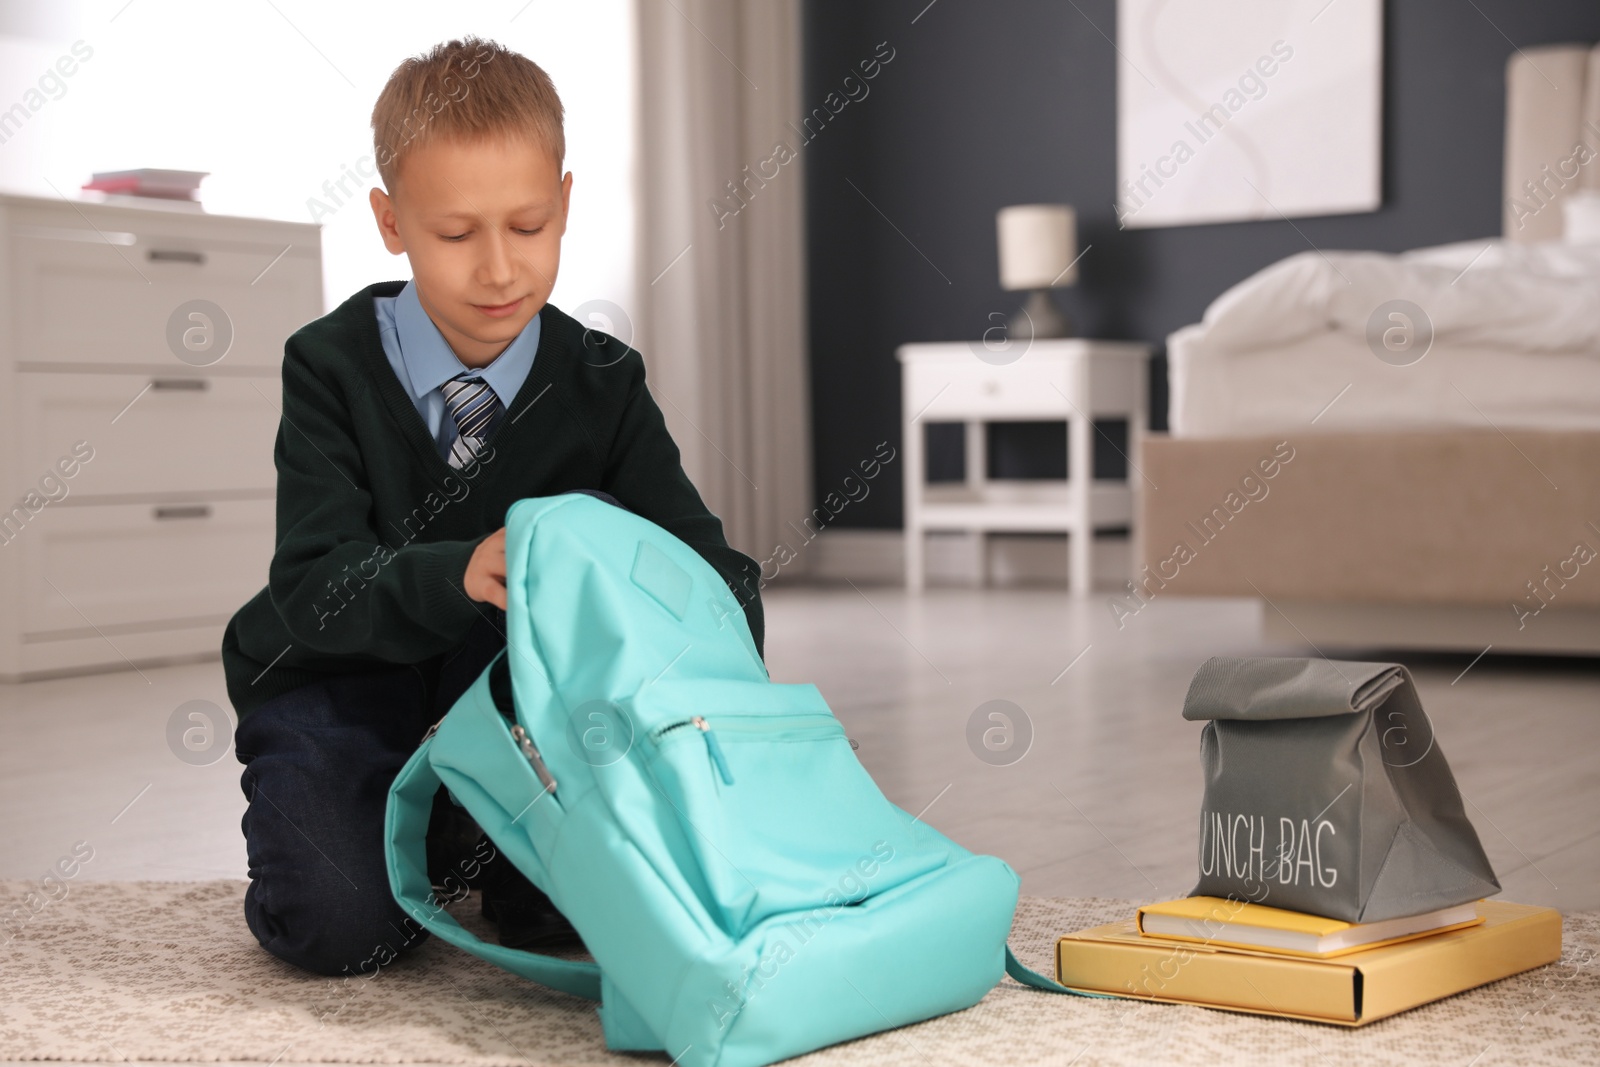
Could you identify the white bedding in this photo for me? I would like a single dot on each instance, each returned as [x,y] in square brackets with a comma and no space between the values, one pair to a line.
[1516,343]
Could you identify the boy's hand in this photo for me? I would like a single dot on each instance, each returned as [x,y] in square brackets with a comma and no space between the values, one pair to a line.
[485,579]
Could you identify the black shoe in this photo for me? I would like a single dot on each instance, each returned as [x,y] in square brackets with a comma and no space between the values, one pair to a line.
[456,847]
[524,916]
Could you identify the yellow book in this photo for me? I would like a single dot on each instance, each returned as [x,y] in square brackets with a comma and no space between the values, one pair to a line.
[1240,924]
[1350,990]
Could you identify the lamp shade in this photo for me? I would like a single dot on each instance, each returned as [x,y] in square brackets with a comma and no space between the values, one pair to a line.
[1038,246]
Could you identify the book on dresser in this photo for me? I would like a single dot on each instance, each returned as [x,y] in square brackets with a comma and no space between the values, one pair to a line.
[148,181]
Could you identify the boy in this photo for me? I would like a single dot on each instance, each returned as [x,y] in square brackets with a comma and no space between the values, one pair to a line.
[414,415]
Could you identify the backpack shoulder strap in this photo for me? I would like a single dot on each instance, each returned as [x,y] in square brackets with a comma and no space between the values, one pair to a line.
[1029,977]
[405,831]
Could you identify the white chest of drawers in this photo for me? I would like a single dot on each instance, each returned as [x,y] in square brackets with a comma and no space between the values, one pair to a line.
[136,426]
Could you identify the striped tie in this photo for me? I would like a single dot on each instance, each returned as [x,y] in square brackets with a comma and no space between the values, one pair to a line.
[475,407]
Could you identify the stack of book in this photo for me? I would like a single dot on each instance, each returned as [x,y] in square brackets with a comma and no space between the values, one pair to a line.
[150,182]
[1251,958]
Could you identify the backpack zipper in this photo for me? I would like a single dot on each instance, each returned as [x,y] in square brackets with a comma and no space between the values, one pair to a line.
[713,747]
[524,742]
[797,727]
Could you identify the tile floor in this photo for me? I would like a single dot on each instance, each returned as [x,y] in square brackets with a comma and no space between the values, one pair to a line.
[1104,803]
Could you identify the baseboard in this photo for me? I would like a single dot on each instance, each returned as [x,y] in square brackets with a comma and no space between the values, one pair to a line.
[878,557]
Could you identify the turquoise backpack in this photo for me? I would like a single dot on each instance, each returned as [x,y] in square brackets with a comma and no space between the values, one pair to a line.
[747,892]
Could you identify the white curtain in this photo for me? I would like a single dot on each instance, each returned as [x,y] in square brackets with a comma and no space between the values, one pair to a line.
[721,255]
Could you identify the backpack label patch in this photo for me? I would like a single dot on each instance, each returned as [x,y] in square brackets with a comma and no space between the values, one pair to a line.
[668,583]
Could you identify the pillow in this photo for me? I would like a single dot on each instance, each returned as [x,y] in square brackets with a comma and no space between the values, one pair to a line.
[1581,217]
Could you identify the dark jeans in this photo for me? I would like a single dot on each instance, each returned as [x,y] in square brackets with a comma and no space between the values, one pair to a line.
[319,761]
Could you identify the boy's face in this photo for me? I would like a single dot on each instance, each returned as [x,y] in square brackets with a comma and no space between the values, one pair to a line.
[481,222]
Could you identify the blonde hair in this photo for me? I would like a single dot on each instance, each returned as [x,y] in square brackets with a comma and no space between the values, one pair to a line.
[459,90]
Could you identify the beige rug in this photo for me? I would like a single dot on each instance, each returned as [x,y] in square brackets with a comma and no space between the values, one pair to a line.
[166,971]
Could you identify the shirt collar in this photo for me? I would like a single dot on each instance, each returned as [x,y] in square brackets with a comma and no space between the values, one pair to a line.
[430,361]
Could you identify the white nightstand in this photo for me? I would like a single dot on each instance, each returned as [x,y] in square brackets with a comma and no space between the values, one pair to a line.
[1075,380]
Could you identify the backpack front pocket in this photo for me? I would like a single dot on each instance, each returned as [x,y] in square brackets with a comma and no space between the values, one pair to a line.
[778,812]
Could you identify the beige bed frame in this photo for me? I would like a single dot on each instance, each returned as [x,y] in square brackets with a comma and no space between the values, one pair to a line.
[1552,108]
[1454,540]
[1461,540]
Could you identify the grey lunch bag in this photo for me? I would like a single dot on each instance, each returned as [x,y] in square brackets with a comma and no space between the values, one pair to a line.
[1326,792]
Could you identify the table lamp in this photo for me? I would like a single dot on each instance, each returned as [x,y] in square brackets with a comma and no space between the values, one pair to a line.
[1038,252]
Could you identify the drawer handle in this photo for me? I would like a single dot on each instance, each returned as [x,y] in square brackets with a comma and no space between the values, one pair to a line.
[176,255]
[181,511]
[180,385]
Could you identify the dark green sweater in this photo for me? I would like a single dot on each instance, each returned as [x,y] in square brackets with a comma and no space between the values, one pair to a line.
[375,529]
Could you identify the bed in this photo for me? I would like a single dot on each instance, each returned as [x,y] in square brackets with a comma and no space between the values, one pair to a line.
[1430,421]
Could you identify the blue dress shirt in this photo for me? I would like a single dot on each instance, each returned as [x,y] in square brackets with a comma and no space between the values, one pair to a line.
[423,360]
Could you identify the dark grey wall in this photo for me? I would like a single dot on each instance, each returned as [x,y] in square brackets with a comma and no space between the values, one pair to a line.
[1014,101]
